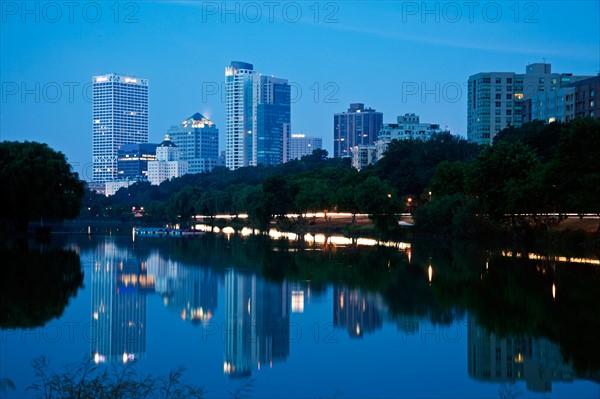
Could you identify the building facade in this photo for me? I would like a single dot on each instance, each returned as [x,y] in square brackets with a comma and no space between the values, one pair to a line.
[358,126]
[238,114]
[198,141]
[256,109]
[408,127]
[298,145]
[497,100]
[132,160]
[363,156]
[119,116]
[271,111]
[168,164]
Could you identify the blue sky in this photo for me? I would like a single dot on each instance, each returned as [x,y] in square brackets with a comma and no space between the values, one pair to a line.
[397,57]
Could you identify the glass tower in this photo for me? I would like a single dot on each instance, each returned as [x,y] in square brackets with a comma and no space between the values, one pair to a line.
[119,116]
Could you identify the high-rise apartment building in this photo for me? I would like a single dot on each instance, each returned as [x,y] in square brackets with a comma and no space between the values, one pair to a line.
[295,146]
[119,116]
[238,114]
[198,141]
[358,126]
[497,99]
[256,109]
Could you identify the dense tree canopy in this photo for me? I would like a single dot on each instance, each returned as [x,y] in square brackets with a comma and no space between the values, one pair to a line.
[37,182]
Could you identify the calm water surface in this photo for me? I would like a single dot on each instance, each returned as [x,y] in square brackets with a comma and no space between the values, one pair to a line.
[275,318]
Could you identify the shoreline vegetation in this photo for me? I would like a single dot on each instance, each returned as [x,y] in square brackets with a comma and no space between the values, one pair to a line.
[519,189]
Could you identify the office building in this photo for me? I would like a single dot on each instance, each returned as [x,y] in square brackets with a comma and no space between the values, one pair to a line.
[119,116]
[256,109]
[496,99]
[298,145]
[132,160]
[358,126]
[168,164]
[197,138]
[408,127]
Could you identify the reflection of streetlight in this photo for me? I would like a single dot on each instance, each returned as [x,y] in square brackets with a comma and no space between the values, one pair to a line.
[430,196]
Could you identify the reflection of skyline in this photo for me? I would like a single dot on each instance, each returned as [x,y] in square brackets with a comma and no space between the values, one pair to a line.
[358,311]
[119,286]
[190,292]
[257,318]
[537,361]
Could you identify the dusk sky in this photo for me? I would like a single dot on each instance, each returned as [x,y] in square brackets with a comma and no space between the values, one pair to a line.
[383,54]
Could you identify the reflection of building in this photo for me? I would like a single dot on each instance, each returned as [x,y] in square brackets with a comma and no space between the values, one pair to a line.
[256,323]
[535,360]
[119,285]
[360,312]
[189,291]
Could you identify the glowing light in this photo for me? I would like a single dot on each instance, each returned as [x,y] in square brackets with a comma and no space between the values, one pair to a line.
[430,273]
[553,291]
[341,301]
[298,301]
[124,357]
[519,358]
[95,315]
[357,329]
[101,79]
[130,80]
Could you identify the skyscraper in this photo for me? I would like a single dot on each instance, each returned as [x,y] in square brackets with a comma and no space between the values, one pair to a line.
[270,112]
[197,138]
[256,109]
[238,114]
[358,126]
[119,116]
[497,99]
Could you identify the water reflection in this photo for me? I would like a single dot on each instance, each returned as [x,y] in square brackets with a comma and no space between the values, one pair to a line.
[497,358]
[257,323]
[119,286]
[530,320]
[357,311]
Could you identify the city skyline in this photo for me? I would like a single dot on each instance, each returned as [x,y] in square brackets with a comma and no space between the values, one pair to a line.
[43,76]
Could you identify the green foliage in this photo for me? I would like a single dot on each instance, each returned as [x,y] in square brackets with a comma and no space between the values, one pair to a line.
[409,165]
[37,182]
[492,176]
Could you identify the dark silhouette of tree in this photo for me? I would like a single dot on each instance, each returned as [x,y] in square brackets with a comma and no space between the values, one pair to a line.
[37,285]
[37,182]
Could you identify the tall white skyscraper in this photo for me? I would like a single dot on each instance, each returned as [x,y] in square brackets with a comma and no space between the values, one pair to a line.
[256,109]
[238,114]
[119,116]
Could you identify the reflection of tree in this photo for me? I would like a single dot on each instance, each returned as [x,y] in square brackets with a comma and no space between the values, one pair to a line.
[36,285]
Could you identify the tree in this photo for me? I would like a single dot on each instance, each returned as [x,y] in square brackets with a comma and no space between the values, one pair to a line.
[496,173]
[37,182]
